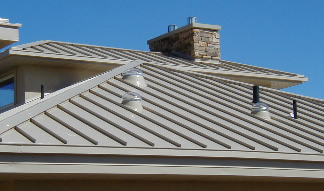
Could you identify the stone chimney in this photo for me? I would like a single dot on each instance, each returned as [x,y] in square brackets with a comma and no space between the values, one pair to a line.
[195,41]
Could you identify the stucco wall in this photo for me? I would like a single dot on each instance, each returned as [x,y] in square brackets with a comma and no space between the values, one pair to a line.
[156,186]
[30,78]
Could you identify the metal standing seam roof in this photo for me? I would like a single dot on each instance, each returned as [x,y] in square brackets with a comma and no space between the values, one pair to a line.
[182,109]
[55,49]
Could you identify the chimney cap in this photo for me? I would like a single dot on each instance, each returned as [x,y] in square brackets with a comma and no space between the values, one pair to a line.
[192,20]
[186,27]
[172,28]
[3,20]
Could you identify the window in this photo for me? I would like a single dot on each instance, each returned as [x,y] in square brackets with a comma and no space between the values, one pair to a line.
[7,91]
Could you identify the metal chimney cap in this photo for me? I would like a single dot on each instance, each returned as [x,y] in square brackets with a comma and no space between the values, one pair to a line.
[172,28]
[192,20]
[2,20]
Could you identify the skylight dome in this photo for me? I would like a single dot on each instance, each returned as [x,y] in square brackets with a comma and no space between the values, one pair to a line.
[261,110]
[133,71]
[134,76]
[132,96]
[260,107]
[133,100]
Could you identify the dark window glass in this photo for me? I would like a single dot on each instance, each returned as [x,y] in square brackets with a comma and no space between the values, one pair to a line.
[7,93]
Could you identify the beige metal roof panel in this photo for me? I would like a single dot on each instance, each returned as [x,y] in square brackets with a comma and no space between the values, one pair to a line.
[182,110]
[184,136]
[130,121]
[195,102]
[102,126]
[36,134]
[90,102]
[189,111]
[246,93]
[45,120]
[79,127]
[15,137]
[174,114]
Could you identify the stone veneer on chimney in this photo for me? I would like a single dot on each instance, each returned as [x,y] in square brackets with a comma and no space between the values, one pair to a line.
[196,41]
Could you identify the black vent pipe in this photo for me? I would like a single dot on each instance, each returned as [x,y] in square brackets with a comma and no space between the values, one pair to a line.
[42,91]
[256,97]
[295,108]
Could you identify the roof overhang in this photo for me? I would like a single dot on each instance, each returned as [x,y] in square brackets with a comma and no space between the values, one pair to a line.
[45,161]
[8,34]
[261,79]
[264,80]
[12,58]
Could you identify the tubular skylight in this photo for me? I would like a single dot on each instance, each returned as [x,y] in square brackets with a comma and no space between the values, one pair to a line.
[135,77]
[133,100]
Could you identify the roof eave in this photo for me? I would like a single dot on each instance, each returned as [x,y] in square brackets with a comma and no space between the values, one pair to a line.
[271,81]
[159,162]
[26,54]
[12,58]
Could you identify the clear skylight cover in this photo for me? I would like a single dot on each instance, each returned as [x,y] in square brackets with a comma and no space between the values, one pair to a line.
[133,71]
[131,96]
[260,107]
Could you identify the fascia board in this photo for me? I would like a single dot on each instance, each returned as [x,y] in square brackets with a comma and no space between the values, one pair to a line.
[261,68]
[159,152]
[239,73]
[142,169]
[67,57]
[17,25]
[37,107]
[189,164]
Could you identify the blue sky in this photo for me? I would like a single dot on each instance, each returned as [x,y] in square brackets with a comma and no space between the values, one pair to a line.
[285,35]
